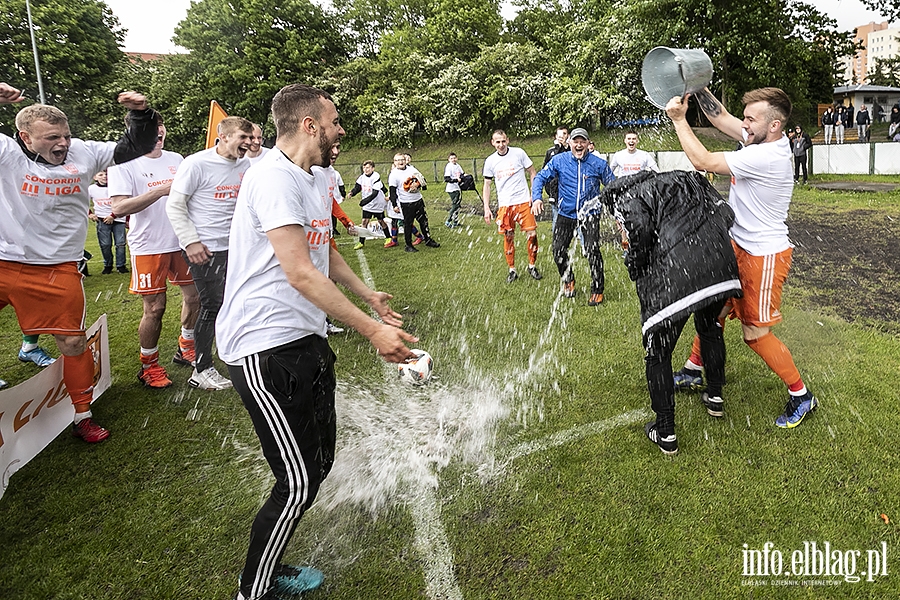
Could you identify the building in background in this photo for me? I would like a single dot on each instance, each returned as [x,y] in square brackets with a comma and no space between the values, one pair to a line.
[879,40]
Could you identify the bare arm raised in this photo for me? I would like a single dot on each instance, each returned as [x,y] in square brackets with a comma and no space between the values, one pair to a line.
[717,115]
[700,157]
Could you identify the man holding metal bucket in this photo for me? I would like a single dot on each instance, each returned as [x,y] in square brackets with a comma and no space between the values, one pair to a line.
[761,188]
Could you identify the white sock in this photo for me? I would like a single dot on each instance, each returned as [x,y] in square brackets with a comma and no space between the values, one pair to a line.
[187,334]
[28,347]
[79,417]
[690,365]
[149,351]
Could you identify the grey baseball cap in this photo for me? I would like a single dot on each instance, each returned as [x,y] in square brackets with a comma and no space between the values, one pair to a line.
[579,132]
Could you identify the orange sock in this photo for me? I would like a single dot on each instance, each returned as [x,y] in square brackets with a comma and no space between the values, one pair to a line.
[510,248]
[532,249]
[695,352]
[78,375]
[149,359]
[778,357]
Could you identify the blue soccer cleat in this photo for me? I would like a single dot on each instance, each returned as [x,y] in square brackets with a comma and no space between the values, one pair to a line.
[795,409]
[38,356]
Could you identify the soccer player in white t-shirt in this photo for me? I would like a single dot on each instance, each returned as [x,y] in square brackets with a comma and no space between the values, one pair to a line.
[282,272]
[453,173]
[373,202]
[631,160]
[405,183]
[257,150]
[507,167]
[140,188]
[44,202]
[200,206]
[109,230]
[761,189]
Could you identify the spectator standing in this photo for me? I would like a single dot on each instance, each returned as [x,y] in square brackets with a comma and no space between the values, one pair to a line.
[840,122]
[862,123]
[828,124]
[109,230]
[800,144]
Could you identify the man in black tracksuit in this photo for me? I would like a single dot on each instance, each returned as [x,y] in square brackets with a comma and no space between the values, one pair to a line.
[681,260]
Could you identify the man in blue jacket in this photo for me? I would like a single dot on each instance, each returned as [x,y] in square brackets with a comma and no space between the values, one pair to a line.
[580,174]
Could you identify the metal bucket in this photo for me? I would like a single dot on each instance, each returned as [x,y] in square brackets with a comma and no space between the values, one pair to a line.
[670,72]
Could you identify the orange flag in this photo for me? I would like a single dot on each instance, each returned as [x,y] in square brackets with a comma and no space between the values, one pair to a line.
[216,114]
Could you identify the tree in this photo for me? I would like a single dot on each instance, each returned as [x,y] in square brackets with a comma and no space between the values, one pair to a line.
[241,53]
[78,46]
[885,71]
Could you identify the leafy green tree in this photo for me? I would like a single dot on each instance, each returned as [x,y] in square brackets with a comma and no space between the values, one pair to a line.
[78,46]
[459,28]
[241,53]
[885,71]
[513,80]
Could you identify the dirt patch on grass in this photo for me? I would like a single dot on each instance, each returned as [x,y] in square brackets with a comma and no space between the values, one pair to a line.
[846,263]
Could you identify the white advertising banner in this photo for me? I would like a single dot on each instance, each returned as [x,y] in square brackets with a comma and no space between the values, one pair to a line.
[34,412]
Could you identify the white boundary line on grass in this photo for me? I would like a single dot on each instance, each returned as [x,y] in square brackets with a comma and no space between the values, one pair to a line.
[430,537]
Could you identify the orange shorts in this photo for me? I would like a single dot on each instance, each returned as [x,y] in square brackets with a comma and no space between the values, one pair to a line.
[149,273]
[762,279]
[48,299]
[509,216]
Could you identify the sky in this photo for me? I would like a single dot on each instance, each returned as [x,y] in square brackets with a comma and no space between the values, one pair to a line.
[152,30]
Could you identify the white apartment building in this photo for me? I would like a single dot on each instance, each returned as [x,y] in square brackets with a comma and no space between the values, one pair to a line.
[879,40]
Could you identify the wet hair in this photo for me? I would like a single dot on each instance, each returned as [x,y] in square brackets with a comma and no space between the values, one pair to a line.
[39,112]
[778,101]
[232,124]
[293,103]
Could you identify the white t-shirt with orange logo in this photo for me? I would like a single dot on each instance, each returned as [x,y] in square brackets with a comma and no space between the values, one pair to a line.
[151,232]
[212,183]
[44,208]
[262,310]
[761,188]
[508,173]
[102,203]
[625,163]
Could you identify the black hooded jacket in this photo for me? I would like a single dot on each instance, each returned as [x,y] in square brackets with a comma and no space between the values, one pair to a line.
[680,255]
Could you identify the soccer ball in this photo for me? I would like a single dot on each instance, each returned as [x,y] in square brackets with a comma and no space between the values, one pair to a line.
[416,371]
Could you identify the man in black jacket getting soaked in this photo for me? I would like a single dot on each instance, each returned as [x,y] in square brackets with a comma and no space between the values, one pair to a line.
[681,260]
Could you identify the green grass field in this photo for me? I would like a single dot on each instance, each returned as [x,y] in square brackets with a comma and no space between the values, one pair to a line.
[519,472]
